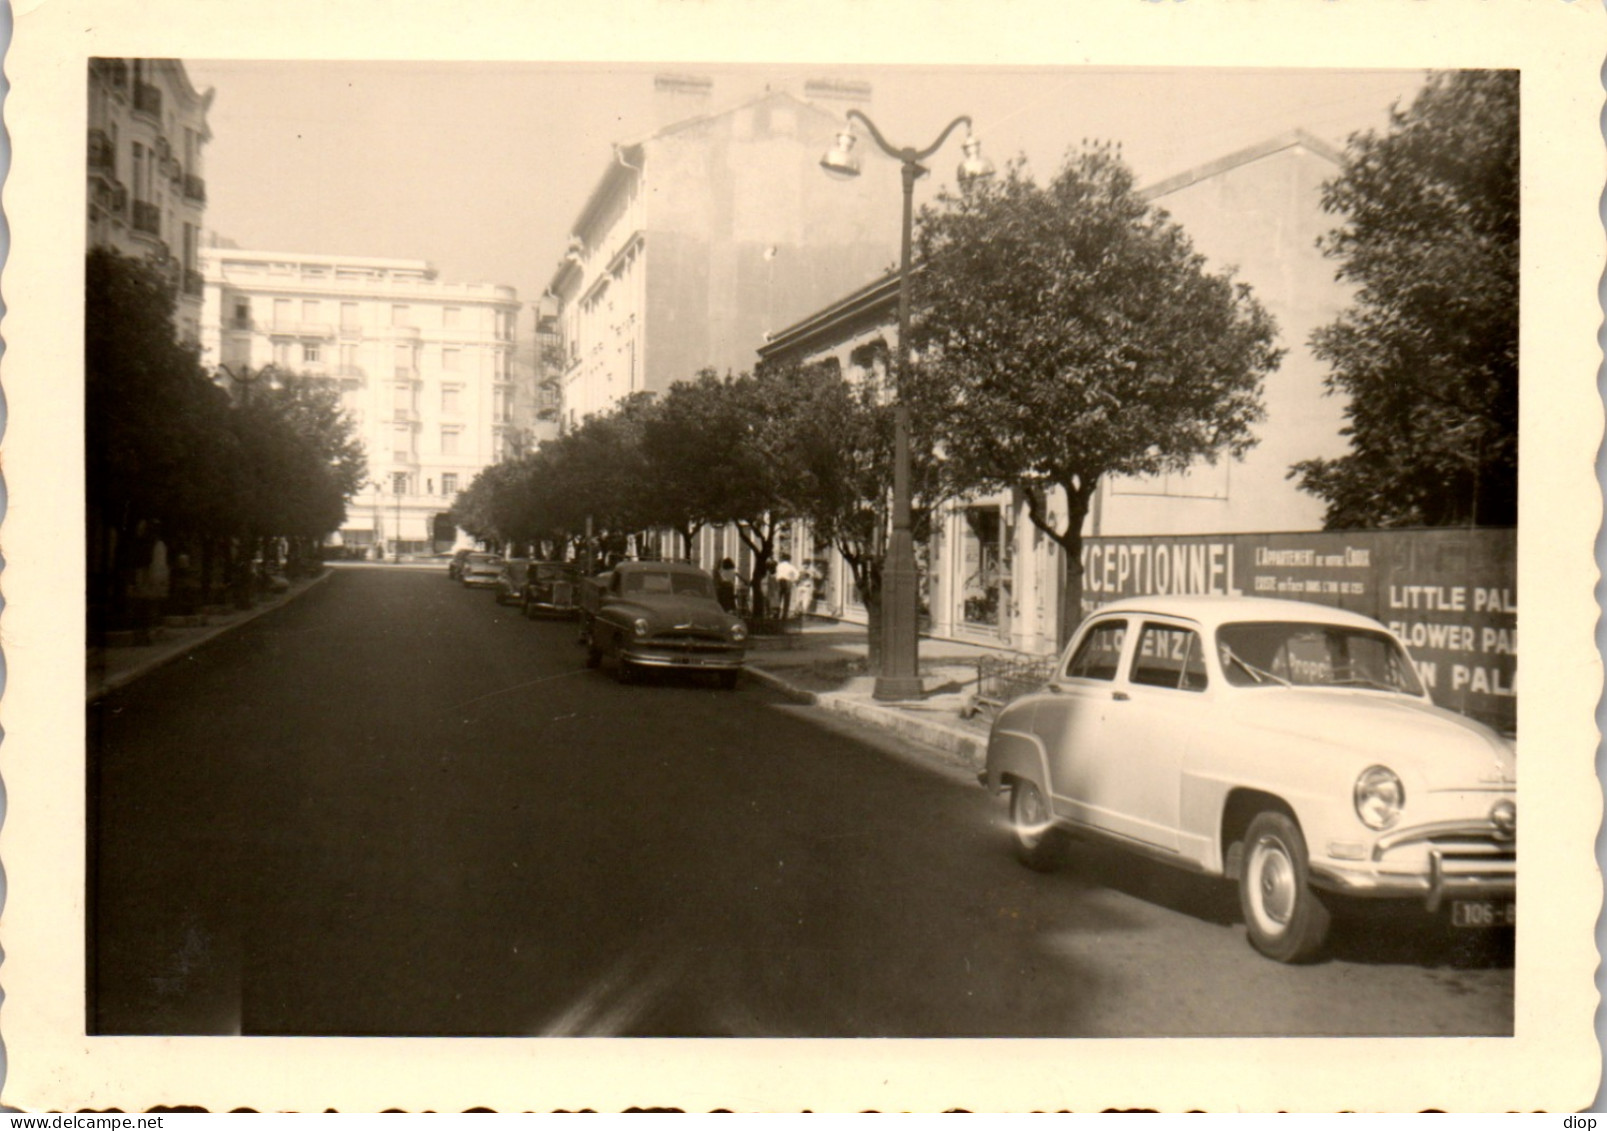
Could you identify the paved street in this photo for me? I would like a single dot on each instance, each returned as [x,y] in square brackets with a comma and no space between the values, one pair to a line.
[392,807]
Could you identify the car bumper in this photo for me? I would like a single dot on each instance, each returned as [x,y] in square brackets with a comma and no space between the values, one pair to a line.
[708,660]
[481,582]
[1461,860]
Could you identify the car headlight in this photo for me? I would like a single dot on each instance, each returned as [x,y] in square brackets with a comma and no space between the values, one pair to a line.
[739,631]
[1379,797]
[641,626]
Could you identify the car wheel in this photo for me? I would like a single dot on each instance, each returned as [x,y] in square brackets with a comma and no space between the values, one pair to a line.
[1032,826]
[624,670]
[1286,919]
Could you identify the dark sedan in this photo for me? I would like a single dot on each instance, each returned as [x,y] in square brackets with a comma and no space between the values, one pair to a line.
[550,589]
[642,615]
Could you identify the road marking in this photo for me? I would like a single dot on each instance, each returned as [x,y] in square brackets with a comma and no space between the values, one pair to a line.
[518,687]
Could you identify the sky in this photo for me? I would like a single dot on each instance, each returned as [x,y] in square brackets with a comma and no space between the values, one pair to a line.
[482,168]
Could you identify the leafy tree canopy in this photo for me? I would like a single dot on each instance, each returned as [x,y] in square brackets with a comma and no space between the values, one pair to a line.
[1070,331]
[1428,351]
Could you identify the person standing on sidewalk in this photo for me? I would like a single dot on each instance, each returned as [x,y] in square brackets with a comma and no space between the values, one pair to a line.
[725,585]
[786,576]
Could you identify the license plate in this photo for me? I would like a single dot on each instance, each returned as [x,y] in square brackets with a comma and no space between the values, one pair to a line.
[1484,913]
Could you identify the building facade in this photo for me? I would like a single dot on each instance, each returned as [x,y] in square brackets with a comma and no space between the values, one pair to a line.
[424,368]
[705,237]
[988,573]
[147,189]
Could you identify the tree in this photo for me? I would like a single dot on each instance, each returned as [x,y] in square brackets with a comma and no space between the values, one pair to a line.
[1071,332]
[843,448]
[1428,351]
[685,444]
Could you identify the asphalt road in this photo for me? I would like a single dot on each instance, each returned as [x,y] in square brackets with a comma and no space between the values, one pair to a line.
[394,808]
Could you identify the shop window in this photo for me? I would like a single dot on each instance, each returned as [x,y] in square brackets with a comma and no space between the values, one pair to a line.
[982,561]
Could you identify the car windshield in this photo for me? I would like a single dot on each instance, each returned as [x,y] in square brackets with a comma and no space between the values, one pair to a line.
[551,572]
[1305,654]
[683,584]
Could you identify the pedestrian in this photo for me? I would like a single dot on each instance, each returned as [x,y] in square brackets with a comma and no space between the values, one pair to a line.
[786,577]
[725,585]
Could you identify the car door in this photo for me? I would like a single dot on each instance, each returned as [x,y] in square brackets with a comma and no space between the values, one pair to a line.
[1158,708]
[1069,718]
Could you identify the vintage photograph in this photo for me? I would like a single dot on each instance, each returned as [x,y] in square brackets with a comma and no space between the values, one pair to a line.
[677,546]
[1224,362]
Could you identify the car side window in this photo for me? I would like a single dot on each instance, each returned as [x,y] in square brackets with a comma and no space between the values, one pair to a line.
[1169,656]
[1099,652]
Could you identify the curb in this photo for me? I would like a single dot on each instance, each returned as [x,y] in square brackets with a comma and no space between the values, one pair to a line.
[122,679]
[955,744]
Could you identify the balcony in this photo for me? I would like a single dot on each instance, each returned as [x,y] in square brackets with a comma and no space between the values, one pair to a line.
[111,197]
[112,72]
[102,154]
[148,101]
[147,218]
[405,416]
[194,188]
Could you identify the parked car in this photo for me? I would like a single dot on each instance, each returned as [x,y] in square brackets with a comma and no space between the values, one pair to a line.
[550,588]
[1290,746]
[454,568]
[511,580]
[660,615]
[480,570]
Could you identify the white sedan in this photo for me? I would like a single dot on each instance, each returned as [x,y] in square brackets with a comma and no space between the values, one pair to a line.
[1288,745]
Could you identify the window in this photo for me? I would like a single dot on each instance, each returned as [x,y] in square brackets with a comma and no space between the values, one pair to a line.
[281,312]
[399,315]
[451,358]
[309,310]
[349,319]
[242,314]
[1168,656]
[449,483]
[449,441]
[281,354]
[402,398]
[449,399]
[309,353]
[398,482]
[404,361]
[348,358]
[402,444]
[451,315]
[1099,653]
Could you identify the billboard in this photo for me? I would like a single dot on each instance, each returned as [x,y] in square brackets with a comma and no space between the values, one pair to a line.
[1451,595]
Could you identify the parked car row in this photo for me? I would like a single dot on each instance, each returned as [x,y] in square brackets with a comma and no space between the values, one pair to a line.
[636,617]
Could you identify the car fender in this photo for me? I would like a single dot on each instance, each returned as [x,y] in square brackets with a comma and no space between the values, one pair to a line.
[1017,754]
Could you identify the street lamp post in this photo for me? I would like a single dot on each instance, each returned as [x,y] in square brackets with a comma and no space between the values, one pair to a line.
[900,668]
[396,540]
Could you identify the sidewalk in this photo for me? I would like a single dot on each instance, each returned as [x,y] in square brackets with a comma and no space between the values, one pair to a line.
[112,667]
[823,664]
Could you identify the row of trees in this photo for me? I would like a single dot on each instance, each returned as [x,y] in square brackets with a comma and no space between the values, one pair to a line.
[174,462]
[752,451]
[1068,332]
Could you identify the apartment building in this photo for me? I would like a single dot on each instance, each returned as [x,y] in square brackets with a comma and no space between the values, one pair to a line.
[146,190]
[424,367]
[700,239]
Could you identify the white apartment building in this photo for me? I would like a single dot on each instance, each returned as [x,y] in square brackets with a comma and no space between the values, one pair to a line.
[146,193]
[423,366]
[703,237]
